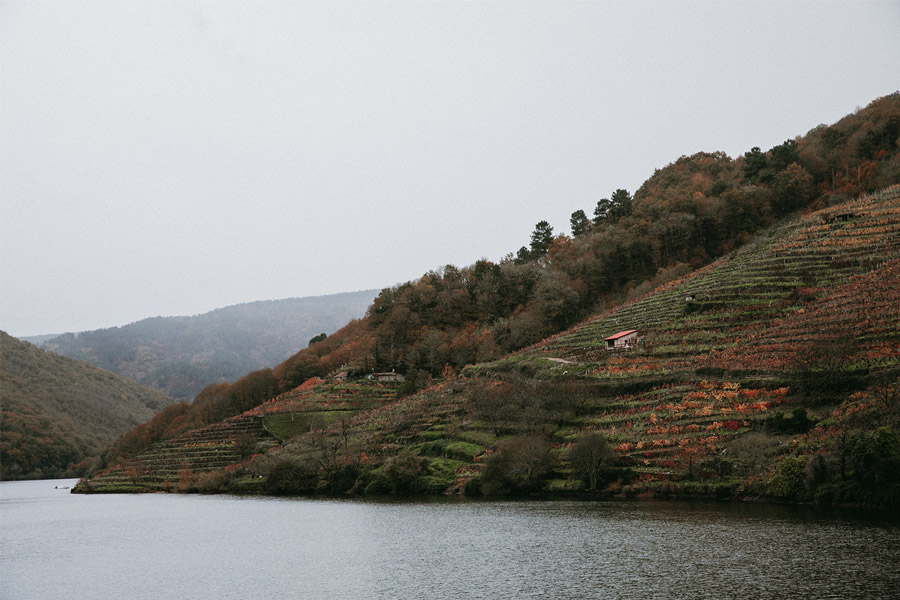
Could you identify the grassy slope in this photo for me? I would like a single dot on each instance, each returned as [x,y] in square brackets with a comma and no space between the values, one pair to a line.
[58,411]
[689,411]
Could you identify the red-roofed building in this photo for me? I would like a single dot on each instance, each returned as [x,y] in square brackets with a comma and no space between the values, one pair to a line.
[623,339]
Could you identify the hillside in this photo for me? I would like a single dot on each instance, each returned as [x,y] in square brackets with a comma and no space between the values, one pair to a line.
[58,413]
[773,371]
[181,355]
[530,412]
[685,216]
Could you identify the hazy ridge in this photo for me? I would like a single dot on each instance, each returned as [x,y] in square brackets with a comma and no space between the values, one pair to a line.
[181,355]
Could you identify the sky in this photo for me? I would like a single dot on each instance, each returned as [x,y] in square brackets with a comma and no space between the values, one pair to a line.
[170,158]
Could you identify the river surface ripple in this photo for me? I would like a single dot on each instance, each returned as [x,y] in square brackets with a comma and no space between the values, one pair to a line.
[57,545]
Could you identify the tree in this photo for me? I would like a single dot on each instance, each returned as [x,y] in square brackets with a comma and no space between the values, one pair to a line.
[788,479]
[579,222]
[783,155]
[541,239]
[590,457]
[557,297]
[601,211]
[402,471]
[793,188]
[494,402]
[519,464]
[522,256]
[431,350]
[319,338]
[875,459]
[620,205]
[754,161]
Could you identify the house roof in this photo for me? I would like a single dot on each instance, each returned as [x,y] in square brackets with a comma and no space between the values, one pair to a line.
[621,334]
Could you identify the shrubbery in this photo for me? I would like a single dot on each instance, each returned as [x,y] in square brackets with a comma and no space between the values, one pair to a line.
[864,470]
[289,477]
[788,479]
[519,465]
[590,457]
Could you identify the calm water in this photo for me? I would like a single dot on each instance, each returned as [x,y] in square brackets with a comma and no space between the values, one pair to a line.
[54,545]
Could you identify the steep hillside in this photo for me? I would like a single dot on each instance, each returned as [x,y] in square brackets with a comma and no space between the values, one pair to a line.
[774,371]
[58,413]
[181,355]
[685,216]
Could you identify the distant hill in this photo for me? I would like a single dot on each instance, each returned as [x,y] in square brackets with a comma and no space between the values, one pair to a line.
[58,413]
[181,355]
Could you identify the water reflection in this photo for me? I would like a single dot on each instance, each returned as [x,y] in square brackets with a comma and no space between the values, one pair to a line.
[225,547]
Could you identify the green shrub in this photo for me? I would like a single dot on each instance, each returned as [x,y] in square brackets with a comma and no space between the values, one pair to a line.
[378,486]
[340,478]
[788,479]
[402,471]
[875,460]
[289,477]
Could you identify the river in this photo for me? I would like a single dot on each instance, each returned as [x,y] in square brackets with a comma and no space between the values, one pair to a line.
[58,545]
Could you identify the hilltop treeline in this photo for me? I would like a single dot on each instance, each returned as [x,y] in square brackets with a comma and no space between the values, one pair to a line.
[688,213]
[684,216]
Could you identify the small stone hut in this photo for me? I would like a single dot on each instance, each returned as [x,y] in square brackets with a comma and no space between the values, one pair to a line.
[623,339]
[388,377]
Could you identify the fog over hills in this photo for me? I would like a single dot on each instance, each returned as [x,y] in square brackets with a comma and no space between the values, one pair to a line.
[181,355]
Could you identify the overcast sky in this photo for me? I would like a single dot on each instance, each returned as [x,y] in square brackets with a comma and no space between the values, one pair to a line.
[170,158]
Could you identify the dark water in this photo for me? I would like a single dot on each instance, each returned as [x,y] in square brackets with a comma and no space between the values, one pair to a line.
[55,545]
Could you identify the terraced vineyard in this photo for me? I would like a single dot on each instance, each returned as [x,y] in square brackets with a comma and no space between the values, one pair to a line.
[187,460]
[764,355]
[316,395]
[772,279]
[178,462]
[716,348]
[317,403]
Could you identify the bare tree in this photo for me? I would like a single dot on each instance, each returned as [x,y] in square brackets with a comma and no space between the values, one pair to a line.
[590,457]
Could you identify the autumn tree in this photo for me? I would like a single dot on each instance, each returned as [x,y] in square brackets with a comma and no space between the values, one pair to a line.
[793,188]
[493,402]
